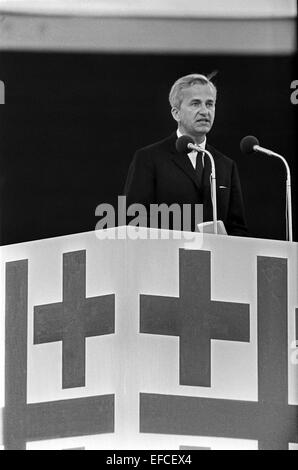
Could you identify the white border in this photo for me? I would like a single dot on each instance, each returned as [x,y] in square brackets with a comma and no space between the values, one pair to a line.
[159,8]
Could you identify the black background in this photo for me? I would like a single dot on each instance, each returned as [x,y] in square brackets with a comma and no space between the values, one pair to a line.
[72,122]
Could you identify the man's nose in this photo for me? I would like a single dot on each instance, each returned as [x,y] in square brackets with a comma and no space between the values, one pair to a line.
[203,110]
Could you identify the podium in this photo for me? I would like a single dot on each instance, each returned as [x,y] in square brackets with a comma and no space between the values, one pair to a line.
[134,338]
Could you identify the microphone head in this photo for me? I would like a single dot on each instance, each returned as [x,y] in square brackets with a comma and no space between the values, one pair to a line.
[247,144]
[182,143]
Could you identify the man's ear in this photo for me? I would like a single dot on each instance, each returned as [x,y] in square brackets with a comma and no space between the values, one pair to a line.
[176,114]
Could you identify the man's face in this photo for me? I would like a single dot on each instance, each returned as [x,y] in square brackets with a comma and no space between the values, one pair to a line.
[197,111]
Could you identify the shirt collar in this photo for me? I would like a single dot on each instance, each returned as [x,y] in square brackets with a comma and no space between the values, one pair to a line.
[202,145]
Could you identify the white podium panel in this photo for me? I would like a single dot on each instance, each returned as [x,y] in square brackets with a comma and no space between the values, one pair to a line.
[148,343]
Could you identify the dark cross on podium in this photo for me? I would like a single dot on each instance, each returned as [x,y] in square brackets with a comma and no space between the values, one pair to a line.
[74,319]
[25,422]
[271,420]
[195,318]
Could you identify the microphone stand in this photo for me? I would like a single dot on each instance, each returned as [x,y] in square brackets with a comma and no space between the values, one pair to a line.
[213,189]
[288,189]
[212,184]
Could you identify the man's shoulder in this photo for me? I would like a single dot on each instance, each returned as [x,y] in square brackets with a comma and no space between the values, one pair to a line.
[161,146]
[220,156]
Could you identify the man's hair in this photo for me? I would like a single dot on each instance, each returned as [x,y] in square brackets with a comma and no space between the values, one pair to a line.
[176,93]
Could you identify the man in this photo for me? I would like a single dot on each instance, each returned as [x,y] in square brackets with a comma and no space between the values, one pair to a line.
[159,174]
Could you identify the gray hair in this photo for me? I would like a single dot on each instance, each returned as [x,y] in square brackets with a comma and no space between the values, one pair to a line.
[176,93]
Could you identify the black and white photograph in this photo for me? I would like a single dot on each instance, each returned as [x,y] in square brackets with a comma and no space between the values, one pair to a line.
[148,227]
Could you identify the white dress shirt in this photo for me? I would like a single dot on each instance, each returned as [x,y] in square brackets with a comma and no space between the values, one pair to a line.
[193,154]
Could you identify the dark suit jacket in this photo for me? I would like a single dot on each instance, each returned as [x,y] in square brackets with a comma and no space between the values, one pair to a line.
[159,174]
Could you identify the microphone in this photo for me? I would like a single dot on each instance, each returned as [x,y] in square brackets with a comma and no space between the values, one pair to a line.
[185,143]
[249,145]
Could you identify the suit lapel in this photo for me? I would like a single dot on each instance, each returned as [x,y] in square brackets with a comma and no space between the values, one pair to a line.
[183,162]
